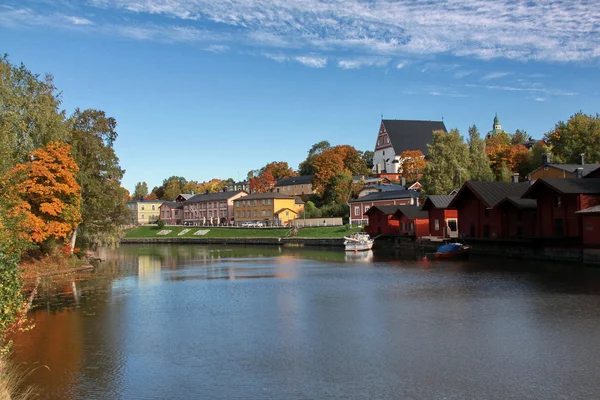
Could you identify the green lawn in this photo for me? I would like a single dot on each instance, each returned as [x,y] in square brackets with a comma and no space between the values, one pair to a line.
[327,231]
[212,232]
[220,232]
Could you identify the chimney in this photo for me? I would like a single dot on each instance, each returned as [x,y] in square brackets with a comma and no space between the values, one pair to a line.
[582,159]
[515,178]
[545,158]
[206,192]
[403,181]
[225,189]
[578,173]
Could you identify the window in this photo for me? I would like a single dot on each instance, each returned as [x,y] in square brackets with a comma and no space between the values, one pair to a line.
[411,227]
[287,213]
[367,208]
[357,211]
[263,202]
[244,203]
[237,204]
[256,213]
[436,224]
[152,207]
[243,214]
[237,214]
[486,212]
[269,202]
[269,213]
[142,208]
[557,201]
[264,213]
[255,202]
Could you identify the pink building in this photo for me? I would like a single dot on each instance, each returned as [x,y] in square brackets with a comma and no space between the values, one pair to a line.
[210,208]
[171,212]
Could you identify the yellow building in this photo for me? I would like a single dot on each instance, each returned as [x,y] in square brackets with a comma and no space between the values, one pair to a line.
[270,208]
[295,186]
[144,211]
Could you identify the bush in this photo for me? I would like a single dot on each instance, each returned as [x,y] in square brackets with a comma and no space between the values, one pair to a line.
[11,297]
[160,224]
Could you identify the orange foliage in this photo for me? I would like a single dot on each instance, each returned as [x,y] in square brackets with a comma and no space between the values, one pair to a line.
[413,164]
[262,183]
[45,193]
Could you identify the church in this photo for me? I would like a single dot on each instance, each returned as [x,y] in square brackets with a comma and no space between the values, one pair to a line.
[396,136]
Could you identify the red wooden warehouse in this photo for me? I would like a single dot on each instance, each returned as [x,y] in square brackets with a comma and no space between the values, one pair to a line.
[443,222]
[381,222]
[518,217]
[590,222]
[413,221]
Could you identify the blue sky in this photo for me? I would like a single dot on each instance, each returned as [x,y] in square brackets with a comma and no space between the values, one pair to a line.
[212,89]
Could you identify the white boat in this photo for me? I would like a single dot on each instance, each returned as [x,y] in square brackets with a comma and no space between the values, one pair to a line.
[358,242]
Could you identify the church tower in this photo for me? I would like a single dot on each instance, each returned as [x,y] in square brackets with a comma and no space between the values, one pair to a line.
[496,128]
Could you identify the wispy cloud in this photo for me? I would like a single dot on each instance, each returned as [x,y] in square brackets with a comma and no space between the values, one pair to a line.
[356,63]
[495,75]
[217,48]
[545,30]
[463,74]
[314,62]
[401,64]
[530,89]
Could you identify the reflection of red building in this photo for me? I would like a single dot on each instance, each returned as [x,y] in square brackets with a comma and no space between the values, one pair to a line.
[381,222]
[558,201]
[443,222]
[413,221]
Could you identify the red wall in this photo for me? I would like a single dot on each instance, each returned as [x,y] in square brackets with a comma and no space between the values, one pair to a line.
[511,222]
[382,224]
[472,219]
[591,230]
[421,226]
[441,215]
[370,204]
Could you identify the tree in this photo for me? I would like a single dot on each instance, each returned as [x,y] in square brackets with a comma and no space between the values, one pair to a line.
[170,188]
[336,160]
[49,197]
[103,199]
[368,159]
[279,170]
[479,163]
[448,163]
[505,173]
[29,113]
[306,166]
[141,190]
[340,189]
[535,157]
[262,183]
[579,135]
[519,137]
[413,164]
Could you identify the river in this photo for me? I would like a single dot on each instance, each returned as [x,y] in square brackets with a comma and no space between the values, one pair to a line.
[218,322]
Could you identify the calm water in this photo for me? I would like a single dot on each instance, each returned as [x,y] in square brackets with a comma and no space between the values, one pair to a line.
[210,322]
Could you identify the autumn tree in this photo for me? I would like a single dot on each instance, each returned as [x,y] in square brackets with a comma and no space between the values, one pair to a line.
[519,137]
[141,190]
[29,114]
[579,135]
[49,195]
[330,164]
[103,199]
[479,163]
[412,164]
[170,188]
[448,163]
[262,183]
[306,166]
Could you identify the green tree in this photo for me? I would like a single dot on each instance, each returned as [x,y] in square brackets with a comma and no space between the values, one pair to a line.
[29,113]
[311,210]
[535,159]
[141,190]
[340,189]
[103,200]
[479,163]
[368,159]
[447,163]
[505,174]
[170,188]
[306,166]
[579,135]
[519,137]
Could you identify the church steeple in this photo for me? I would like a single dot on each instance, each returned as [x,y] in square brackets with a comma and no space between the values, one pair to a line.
[497,127]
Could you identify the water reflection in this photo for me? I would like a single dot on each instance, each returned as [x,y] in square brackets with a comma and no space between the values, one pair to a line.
[217,322]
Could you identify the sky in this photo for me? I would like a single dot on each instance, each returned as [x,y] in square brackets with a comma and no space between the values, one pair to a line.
[215,88]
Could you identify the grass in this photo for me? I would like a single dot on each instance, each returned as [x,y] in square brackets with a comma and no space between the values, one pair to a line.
[221,232]
[12,378]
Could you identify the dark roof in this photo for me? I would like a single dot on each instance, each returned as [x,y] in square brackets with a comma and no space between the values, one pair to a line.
[186,196]
[570,168]
[590,210]
[395,194]
[172,204]
[299,200]
[366,179]
[412,212]
[382,187]
[385,210]
[521,204]
[565,186]
[411,135]
[437,201]
[296,180]
[491,193]
[146,201]
[213,196]
[268,195]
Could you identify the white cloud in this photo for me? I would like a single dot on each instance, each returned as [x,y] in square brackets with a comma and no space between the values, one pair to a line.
[217,48]
[462,74]
[401,64]
[314,62]
[356,63]
[79,20]
[495,75]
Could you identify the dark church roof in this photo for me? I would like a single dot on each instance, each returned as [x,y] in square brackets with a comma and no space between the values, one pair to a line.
[410,134]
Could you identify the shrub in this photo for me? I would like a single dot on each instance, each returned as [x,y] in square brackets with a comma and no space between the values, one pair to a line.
[160,224]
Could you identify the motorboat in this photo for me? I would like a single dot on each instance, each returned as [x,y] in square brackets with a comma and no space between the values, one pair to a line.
[451,251]
[359,241]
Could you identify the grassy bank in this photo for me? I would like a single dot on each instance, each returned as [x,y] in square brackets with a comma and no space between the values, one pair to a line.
[325,232]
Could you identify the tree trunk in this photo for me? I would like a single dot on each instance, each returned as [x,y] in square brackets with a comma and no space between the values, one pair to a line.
[73,238]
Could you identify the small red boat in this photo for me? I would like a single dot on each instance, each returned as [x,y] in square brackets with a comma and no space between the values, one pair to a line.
[451,251]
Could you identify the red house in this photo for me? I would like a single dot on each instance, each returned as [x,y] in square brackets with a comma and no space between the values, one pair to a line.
[413,221]
[558,201]
[476,205]
[443,222]
[360,206]
[519,217]
[590,222]
[381,221]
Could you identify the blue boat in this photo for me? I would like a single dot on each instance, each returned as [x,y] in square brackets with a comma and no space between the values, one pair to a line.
[452,251]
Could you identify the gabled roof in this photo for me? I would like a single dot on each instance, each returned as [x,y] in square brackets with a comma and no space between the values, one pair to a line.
[590,210]
[564,186]
[395,194]
[366,179]
[172,204]
[146,201]
[437,201]
[412,212]
[385,210]
[570,168]
[490,193]
[267,195]
[521,204]
[285,208]
[382,187]
[213,196]
[299,200]
[185,196]
[296,180]
[410,134]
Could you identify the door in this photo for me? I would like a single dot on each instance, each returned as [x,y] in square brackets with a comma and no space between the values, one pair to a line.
[452,227]
[558,227]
